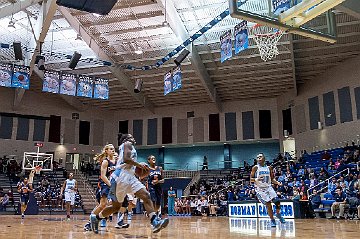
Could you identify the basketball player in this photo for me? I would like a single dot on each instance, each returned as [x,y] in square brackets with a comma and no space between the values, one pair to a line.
[70,187]
[108,163]
[24,189]
[123,181]
[154,182]
[263,176]
[128,204]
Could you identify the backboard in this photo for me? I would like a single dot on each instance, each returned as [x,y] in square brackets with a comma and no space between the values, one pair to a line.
[310,18]
[33,159]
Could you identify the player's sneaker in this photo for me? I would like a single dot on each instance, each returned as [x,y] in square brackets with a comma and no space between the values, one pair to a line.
[129,217]
[110,218]
[94,223]
[87,227]
[103,223]
[121,224]
[273,223]
[282,220]
[22,216]
[158,224]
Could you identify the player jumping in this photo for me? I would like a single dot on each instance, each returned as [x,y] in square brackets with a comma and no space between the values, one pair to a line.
[263,176]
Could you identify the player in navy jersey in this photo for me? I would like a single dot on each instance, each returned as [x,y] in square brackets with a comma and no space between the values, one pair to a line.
[154,182]
[263,176]
[108,163]
[24,188]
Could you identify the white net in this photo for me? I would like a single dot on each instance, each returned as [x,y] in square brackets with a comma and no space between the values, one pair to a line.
[266,39]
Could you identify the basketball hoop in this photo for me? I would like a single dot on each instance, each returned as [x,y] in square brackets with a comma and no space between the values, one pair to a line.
[266,39]
[38,169]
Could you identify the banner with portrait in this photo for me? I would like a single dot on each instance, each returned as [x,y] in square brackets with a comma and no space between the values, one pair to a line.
[85,86]
[6,72]
[68,84]
[168,83]
[51,82]
[241,37]
[226,46]
[101,89]
[21,77]
[177,77]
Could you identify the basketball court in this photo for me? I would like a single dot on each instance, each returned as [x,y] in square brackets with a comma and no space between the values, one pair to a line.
[271,31]
[179,227]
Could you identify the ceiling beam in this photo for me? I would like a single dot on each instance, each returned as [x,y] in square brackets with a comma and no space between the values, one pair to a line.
[180,31]
[350,7]
[115,68]
[16,7]
[42,25]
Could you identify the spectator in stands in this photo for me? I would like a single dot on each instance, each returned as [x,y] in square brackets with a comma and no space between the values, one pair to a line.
[337,163]
[326,156]
[213,204]
[342,181]
[301,172]
[315,199]
[331,166]
[340,198]
[313,181]
[332,186]
[11,197]
[4,201]
[285,191]
[223,206]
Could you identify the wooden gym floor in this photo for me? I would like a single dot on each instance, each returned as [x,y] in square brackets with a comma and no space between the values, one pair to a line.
[44,227]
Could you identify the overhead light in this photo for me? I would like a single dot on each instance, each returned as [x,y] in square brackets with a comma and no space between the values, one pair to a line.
[165,24]
[138,51]
[78,37]
[96,15]
[11,24]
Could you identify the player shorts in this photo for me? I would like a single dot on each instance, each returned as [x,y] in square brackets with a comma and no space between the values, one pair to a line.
[70,197]
[155,195]
[123,182]
[265,194]
[24,199]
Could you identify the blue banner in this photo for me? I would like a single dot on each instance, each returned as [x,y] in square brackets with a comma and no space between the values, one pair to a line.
[68,84]
[85,86]
[280,6]
[6,71]
[226,46]
[21,77]
[241,37]
[177,76]
[101,89]
[51,81]
[168,83]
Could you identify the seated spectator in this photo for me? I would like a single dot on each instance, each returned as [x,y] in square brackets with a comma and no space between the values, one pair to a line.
[340,198]
[301,172]
[313,181]
[223,206]
[4,201]
[337,164]
[332,186]
[331,166]
[315,200]
[326,156]
[213,204]
[204,206]
[11,197]
[296,194]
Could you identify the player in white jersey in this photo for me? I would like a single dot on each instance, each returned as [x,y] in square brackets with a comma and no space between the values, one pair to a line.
[70,187]
[124,181]
[263,176]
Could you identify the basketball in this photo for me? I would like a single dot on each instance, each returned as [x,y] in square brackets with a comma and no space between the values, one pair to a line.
[141,173]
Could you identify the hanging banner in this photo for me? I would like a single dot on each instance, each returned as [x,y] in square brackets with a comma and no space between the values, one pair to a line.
[101,89]
[177,76]
[168,83]
[68,84]
[226,46]
[20,77]
[51,82]
[6,71]
[241,37]
[280,6]
[85,86]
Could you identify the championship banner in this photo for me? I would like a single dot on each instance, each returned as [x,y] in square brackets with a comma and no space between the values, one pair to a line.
[280,6]
[6,71]
[20,77]
[241,37]
[101,89]
[51,82]
[168,83]
[68,84]
[226,46]
[85,86]
[177,76]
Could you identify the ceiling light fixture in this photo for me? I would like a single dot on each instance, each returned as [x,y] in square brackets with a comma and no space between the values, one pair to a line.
[11,24]
[78,37]
[96,15]
[165,22]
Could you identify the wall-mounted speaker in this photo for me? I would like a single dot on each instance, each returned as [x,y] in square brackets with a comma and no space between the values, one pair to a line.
[94,6]
[138,85]
[18,51]
[74,60]
[181,57]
